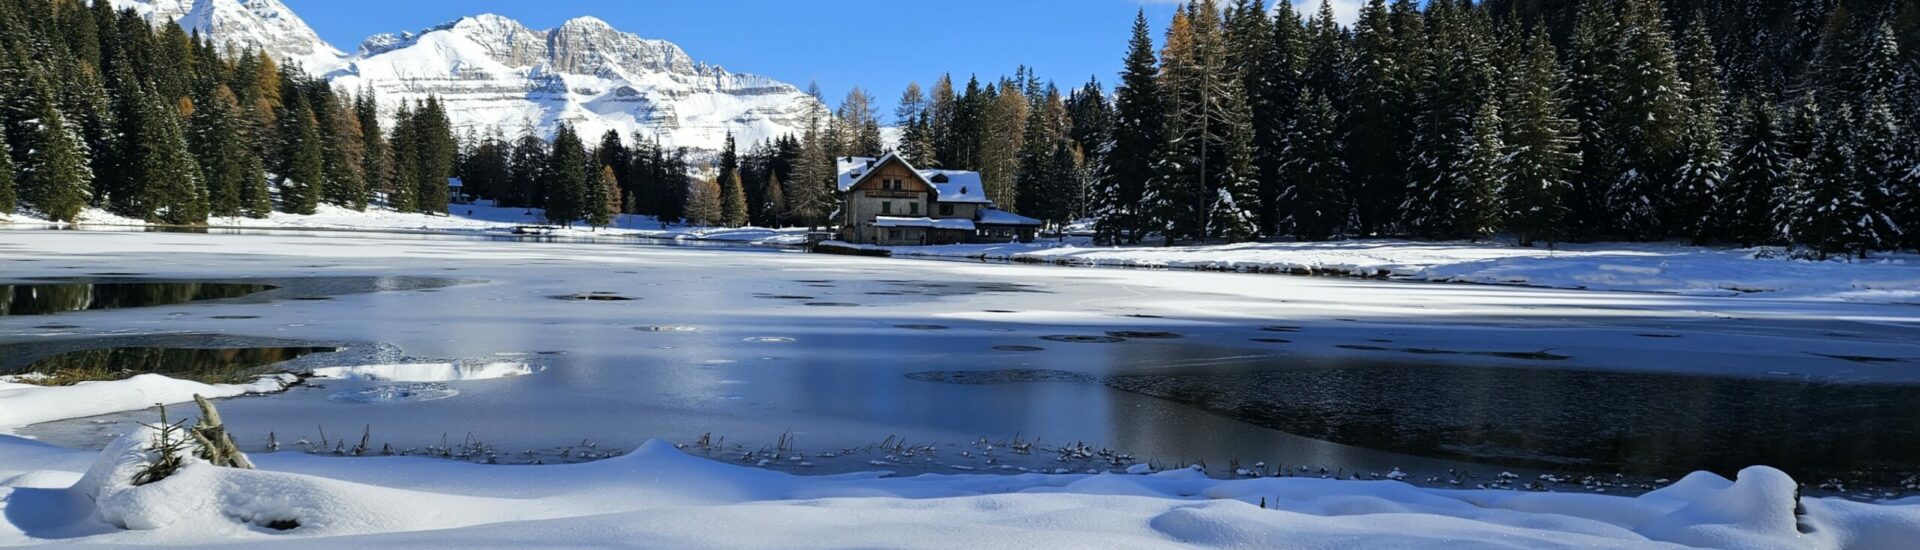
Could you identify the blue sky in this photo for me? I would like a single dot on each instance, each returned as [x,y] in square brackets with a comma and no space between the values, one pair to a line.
[879,45]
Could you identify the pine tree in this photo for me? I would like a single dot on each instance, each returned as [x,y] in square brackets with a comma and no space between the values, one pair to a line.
[54,178]
[1759,171]
[566,178]
[1540,141]
[600,199]
[733,201]
[306,169]
[1138,123]
[169,189]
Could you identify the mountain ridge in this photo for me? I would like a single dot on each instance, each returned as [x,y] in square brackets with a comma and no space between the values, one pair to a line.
[496,74]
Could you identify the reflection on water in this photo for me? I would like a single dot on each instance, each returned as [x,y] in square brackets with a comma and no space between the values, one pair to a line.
[210,365]
[51,298]
[1637,423]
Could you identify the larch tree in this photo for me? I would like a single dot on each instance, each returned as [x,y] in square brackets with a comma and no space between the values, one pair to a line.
[733,200]
[703,205]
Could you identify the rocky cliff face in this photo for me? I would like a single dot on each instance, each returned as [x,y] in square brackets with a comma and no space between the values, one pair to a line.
[495,74]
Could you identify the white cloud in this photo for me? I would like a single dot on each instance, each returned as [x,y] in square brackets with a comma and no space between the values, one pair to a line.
[1344,11]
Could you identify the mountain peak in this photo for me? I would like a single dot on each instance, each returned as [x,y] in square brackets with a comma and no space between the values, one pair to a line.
[587,21]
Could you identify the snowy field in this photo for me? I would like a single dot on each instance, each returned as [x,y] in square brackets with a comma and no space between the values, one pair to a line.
[1654,267]
[481,217]
[759,346]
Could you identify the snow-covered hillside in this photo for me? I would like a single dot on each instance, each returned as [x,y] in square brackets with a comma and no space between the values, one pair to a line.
[496,73]
[266,25]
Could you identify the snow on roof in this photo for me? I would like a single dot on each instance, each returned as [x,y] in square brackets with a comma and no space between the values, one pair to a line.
[959,186]
[851,168]
[995,216]
[455,182]
[896,221]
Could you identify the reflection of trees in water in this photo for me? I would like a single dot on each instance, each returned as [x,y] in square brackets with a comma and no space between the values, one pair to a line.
[55,298]
[204,365]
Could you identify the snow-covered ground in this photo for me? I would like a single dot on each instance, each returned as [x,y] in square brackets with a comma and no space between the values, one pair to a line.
[481,217]
[1646,267]
[657,497]
[756,345]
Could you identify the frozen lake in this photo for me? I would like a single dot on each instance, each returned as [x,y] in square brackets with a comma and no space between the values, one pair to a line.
[806,355]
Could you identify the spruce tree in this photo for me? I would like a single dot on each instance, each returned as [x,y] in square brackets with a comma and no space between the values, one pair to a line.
[1037,182]
[1460,81]
[1316,196]
[54,178]
[1540,142]
[227,160]
[1832,213]
[1689,200]
[306,169]
[437,152]
[1478,210]
[916,131]
[1760,172]
[600,199]
[1373,146]
[376,168]
[566,177]
[406,161]
[1881,150]
[169,189]
[1648,122]
[529,173]
[1137,129]
[9,195]
[1593,81]
[344,152]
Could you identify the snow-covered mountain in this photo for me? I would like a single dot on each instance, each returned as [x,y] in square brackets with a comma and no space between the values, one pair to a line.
[492,72]
[266,25]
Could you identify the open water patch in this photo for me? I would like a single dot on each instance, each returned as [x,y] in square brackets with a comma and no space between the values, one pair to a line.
[396,393]
[1082,338]
[1003,376]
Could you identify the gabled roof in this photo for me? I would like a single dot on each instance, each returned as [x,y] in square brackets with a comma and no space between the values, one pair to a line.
[960,186]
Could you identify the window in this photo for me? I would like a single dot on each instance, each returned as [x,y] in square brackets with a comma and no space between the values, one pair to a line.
[886,207]
[946,210]
[913,209]
[893,234]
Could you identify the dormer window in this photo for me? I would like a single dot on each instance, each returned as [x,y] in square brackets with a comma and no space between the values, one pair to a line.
[941,178]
